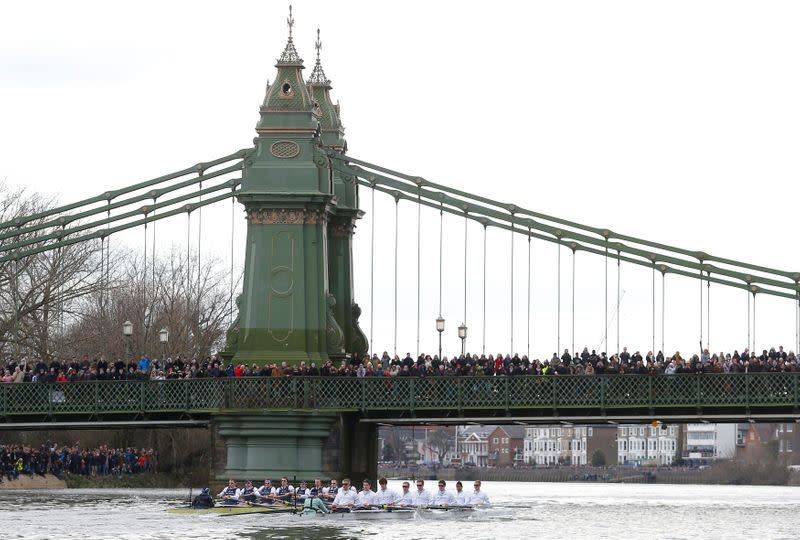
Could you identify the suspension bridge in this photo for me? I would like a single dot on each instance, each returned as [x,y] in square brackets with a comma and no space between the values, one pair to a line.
[301,193]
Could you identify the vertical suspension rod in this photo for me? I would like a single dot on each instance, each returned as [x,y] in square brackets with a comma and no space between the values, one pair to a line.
[396,223]
[464,320]
[574,351]
[419,243]
[663,310]
[372,274]
[619,297]
[528,352]
[605,301]
[558,301]
[233,231]
[483,325]
[708,313]
[511,351]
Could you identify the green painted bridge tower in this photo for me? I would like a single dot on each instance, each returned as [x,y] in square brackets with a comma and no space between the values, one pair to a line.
[297,302]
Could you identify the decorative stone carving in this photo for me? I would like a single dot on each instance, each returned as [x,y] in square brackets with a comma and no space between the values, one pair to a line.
[359,345]
[343,228]
[333,331]
[285,216]
[285,149]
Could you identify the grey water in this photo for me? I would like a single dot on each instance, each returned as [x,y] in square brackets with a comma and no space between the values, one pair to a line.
[521,510]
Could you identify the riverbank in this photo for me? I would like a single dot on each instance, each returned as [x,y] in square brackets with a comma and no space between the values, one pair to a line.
[47,481]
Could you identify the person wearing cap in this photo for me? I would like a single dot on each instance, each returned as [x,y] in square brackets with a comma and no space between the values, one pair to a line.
[266,492]
[248,493]
[460,495]
[405,498]
[366,497]
[384,496]
[345,497]
[203,500]
[420,497]
[442,497]
[230,493]
[478,497]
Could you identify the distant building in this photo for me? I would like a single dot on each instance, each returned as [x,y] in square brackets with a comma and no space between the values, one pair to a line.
[569,445]
[505,446]
[473,445]
[647,445]
[706,442]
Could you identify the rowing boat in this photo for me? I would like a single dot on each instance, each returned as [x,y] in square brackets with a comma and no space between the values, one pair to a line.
[234,510]
[397,512]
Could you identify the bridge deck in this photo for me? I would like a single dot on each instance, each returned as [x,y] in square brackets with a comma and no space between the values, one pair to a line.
[528,399]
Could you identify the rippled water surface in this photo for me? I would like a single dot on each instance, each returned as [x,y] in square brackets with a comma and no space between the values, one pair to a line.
[522,510]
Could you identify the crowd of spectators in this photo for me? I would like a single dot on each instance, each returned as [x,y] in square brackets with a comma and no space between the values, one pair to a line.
[17,460]
[583,363]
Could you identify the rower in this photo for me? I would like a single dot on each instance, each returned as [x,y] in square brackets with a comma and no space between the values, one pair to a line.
[317,490]
[330,491]
[248,493]
[230,494]
[366,497]
[266,492]
[420,497]
[442,497]
[203,500]
[303,491]
[285,491]
[384,496]
[478,497]
[406,498]
[460,495]
[345,497]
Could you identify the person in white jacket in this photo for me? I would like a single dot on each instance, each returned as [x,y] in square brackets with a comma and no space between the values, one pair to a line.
[420,497]
[366,497]
[230,493]
[385,496]
[406,498]
[460,495]
[442,497]
[478,497]
[345,497]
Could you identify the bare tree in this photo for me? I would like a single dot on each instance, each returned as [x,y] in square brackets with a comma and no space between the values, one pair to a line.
[442,441]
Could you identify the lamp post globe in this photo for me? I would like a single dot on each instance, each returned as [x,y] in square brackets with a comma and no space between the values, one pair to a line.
[163,337]
[462,333]
[127,331]
[440,329]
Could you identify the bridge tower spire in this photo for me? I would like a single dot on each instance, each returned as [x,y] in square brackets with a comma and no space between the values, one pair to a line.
[344,211]
[286,311]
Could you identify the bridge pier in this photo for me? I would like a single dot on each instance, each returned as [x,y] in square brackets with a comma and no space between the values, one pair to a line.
[305,445]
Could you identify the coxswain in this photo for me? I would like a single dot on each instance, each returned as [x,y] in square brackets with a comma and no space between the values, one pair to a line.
[203,500]
[406,498]
[442,497]
[478,497]
[345,498]
[384,496]
[230,494]
[366,497]
[420,497]
[266,492]
[285,492]
[248,493]
[460,495]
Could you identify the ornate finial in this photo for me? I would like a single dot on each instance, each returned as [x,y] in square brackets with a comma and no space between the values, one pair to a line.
[290,55]
[318,75]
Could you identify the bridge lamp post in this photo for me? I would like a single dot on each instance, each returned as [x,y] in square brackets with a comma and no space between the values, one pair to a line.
[127,331]
[462,333]
[440,329]
[163,337]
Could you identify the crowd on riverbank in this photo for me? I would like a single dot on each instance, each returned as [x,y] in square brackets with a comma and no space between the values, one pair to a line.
[50,458]
[774,360]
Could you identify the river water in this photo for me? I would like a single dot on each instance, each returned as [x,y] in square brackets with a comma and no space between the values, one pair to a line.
[521,510]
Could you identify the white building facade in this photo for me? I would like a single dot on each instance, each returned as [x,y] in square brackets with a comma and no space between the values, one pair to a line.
[647,445]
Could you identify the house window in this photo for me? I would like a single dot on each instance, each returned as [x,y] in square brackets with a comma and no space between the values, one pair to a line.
[505,440]
[641,431]
[590,432]
[788,446]
[788,428]
[494,440]
[623,431]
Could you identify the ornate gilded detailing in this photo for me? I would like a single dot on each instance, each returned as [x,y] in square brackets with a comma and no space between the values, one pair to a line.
[318,77]
[359,345]
[334,333]
[343,228]
[285,149]
[285,216]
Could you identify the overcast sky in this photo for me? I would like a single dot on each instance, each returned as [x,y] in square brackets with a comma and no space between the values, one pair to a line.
[672,121]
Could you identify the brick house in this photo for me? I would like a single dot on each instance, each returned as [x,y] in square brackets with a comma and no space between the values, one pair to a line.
[505,446]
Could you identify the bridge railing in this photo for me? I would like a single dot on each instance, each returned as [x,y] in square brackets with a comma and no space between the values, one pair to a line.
[403,394]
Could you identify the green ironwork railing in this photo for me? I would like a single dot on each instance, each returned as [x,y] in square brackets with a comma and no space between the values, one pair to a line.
[546,394]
